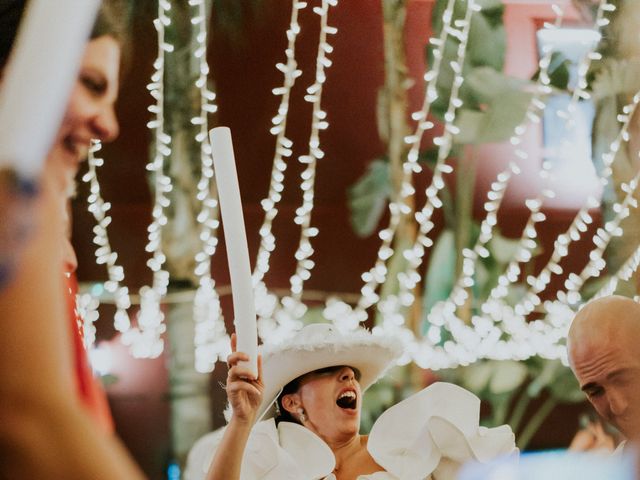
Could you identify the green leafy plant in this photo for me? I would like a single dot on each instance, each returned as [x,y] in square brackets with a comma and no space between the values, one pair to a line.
[368,198]
[493,102]
[493,105]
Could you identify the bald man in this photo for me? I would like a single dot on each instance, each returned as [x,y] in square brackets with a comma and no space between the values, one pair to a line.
[604,354]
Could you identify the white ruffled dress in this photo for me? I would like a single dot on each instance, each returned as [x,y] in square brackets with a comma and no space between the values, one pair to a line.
[428,436]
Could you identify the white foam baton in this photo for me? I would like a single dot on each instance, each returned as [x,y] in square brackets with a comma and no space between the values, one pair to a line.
[38,78]
[236,242]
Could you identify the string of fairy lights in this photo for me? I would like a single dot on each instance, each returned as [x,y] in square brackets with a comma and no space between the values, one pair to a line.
[146,341]
[87,311]
[283,148]
[601,240]
[459,293]
[340,313]
[211,341]
[580,91]
[145,338]
[374,277]
[495,195]
[624,273]
[271,318]
[284,316]
[539,283]
[310,159]
[628,111]
[415,254]
[580,223]
[499,330]
[582,219]
[528,239]
[104,253]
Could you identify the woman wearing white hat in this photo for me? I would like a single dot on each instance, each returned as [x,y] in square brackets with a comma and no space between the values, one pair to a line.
[307,401]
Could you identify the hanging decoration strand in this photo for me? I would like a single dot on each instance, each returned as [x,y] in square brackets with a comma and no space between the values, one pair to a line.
[529,234]
[459,293]
[87,310]
[542,89]
[377,274]
[278,318]
[283,148]
[539,283]
[579,92]
[624,273]
[601,240]
[581,220]
[541,337]
[532,114]
[104,253]
[318,123]
[211,340]
[414,255]
[147,341]
[498,187]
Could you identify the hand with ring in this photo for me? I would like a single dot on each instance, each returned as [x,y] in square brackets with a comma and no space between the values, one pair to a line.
[244,391]
[593,438]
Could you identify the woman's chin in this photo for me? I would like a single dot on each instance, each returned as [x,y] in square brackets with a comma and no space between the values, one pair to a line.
[351,420]
[351,413]
[65,161]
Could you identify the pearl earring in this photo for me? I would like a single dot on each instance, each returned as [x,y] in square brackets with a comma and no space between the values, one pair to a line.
[302,416]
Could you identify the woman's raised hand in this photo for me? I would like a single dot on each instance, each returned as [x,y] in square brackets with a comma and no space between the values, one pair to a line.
[244,391]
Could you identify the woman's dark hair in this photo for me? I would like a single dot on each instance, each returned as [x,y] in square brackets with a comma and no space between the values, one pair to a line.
[292,387]
[109,21]
[113,20]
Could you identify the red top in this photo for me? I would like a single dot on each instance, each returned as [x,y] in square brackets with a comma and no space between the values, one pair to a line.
[90,391]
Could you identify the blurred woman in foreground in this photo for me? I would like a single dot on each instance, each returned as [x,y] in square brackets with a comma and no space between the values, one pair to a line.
[44,431]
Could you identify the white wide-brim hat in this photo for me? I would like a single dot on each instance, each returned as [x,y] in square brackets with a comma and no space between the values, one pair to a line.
[321,345]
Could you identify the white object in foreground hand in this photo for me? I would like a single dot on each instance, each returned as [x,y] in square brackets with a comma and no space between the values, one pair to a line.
[38,78]
[236,241]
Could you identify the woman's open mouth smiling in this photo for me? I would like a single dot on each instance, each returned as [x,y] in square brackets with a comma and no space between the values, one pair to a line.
[79,149]
[347,399]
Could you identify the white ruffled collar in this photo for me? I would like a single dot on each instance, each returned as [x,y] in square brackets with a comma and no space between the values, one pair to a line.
[427,436]
[313,456]
[432,432]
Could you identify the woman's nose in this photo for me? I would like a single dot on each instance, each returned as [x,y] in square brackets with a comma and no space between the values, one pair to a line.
[106,125]
[347,374]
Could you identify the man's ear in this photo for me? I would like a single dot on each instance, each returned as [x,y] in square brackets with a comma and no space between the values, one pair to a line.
[291,402]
